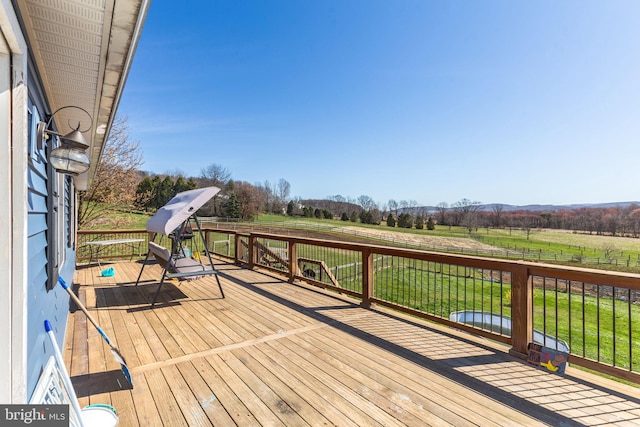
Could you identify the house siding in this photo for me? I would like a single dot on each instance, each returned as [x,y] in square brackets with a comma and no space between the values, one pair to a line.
[38,242]
[43,303]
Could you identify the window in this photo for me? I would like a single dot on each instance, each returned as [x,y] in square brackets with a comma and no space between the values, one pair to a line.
[35,155]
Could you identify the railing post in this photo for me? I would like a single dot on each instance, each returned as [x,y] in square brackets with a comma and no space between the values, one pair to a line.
[207,239]
[293,260]
[367,278]
[521,311]
[252,253]
[238,248]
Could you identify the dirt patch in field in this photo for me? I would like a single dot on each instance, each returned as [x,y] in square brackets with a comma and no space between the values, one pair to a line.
[436,242]
[569,237]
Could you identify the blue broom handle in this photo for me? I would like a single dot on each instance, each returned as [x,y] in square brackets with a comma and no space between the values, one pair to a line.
[83,308]
[65,375]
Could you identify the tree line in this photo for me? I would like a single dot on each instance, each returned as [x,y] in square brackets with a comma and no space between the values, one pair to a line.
[118,184]
[236,199]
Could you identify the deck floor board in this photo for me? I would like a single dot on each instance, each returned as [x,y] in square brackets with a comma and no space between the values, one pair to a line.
[280,353]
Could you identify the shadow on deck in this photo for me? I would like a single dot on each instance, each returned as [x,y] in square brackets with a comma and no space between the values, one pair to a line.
[275,353]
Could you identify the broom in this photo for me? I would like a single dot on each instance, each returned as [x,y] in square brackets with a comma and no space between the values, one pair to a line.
[116,353]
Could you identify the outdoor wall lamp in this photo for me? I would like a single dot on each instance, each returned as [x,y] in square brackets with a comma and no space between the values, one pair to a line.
[70,157]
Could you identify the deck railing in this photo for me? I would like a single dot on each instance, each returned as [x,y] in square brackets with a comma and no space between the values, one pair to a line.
[596,314]
[86,252]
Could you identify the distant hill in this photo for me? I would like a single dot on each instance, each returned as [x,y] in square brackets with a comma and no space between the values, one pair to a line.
[345,206]
[538,208]
[545,208]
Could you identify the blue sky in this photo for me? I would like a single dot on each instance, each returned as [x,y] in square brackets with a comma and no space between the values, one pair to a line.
[434,101]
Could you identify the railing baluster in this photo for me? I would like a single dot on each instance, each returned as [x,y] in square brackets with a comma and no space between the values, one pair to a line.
[598,320]
[613,315]
[584,329]
[630,339]
[570,317]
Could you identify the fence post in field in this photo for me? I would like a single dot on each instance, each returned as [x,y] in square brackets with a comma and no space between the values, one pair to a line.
[521,310]
[367,277]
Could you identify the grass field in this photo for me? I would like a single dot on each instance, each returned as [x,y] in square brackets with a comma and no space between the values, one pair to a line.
[563,241]
[120,221]
[558,246]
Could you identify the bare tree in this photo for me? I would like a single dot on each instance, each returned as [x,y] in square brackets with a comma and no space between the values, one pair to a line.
[497,214]
[613,220]
[366,202]
[467,212]
[393,207]
[608,249]
[268,195]
[413,207]
[217,176]
[116,179]
[442,208]
[248,198]
[283,190]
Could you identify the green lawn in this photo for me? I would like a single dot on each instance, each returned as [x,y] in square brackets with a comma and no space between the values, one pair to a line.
[586,322]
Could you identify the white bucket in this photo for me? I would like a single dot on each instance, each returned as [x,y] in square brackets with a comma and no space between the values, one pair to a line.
[99,416]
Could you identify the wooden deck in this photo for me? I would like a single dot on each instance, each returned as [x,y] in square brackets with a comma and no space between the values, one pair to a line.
[275,353]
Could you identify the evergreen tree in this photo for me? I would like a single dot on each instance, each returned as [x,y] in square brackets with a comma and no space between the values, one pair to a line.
[391,221]
[232,206]
[431,225]
[164,192]
[419,222]
[182,184]
[365,217]
[402,220]
[156,182]
[405,220]
[344,217]
[290,207]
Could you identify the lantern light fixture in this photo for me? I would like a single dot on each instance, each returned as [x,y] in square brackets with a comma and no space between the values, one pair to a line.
[70,157]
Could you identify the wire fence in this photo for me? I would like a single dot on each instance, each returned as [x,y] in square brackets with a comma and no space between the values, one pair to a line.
[518,253]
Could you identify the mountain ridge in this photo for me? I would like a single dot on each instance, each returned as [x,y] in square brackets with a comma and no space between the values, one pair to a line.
[544,208]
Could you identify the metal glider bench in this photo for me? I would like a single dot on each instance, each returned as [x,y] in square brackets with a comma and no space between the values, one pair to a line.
[174,220]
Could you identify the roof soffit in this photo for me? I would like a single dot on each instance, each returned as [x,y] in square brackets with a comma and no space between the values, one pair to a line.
[82,50]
